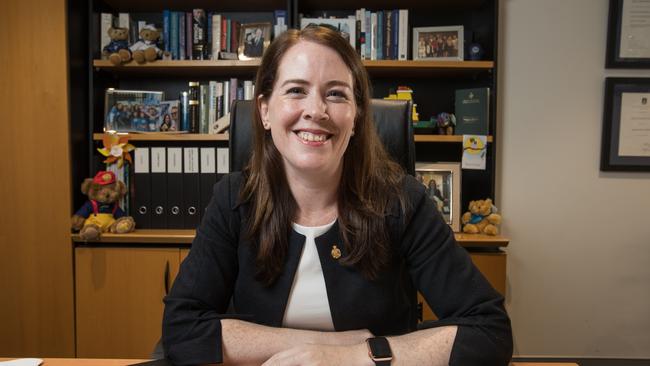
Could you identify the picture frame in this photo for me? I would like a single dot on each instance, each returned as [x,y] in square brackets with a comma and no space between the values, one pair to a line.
[442,182]
[132,110]
[628,36]
[254,39]
[625,142]
[346,26]
[438,43]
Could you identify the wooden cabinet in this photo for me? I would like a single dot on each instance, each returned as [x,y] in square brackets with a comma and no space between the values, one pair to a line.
[119,294]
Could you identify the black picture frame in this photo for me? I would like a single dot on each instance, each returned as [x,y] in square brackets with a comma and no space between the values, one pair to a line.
[611,160]
[614,30]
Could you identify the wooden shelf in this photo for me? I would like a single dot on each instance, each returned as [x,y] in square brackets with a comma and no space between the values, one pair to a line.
[143,236]
[426,68]
[148,6]
[236,67]
[183,67]
[161,236]
[169,137]
[443,138]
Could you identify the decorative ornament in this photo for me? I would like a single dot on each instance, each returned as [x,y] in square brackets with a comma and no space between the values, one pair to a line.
[116,149]
[336,252]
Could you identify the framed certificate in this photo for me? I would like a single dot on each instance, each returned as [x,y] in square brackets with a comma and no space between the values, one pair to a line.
[628,35]
[626,125]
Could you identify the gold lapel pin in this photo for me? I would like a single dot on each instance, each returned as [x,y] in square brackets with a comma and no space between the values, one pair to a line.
[336,252]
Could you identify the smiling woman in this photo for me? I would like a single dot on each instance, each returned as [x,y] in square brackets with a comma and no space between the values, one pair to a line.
[322,241]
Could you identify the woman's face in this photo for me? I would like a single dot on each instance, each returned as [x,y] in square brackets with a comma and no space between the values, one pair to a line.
[311,110]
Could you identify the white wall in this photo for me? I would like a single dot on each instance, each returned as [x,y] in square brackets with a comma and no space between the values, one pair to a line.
[579,256]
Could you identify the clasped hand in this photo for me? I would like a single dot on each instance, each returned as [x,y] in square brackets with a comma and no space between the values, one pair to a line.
[339,348]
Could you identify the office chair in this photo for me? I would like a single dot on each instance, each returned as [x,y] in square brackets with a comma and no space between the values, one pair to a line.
[393,119]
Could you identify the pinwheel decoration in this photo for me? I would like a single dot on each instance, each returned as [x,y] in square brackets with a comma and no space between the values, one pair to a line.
[116,149]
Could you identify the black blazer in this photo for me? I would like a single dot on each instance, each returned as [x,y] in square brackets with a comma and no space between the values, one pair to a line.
[425,258]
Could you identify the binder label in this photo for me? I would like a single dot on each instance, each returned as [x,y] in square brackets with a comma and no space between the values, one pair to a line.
[175,163]
[158,160]
[208,163]
[191,160]
[141,160]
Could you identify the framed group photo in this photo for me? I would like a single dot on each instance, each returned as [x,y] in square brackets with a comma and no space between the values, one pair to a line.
[438,43]
[254,38]
[345,26]
[626,125]
[442,185]
[628,35]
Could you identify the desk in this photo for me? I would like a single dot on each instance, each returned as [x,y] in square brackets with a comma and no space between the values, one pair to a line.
[117,362]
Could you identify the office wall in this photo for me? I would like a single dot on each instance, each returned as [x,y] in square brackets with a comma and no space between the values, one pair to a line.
[579,258]
[36,298]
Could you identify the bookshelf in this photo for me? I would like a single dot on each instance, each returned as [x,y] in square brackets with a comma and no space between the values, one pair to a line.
[433,83]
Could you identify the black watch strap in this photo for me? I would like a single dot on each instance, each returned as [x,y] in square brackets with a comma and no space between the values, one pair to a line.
[379,351]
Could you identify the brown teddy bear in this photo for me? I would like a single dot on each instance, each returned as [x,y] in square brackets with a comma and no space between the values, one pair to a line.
[146,48]
[117,51]
[102,212]
[482,218]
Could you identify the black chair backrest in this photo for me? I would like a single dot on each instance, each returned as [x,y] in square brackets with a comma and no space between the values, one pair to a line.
[393,119]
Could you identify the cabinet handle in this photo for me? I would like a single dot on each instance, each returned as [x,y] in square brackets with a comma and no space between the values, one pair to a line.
[166,278]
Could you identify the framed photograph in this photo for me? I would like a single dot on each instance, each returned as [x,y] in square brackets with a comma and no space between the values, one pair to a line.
[442,184]
[254,38]
[132,110]
[628,35]
[626,125]
[345,26]
[438,43]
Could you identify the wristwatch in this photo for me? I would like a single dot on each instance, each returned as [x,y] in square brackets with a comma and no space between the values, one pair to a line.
[379,351]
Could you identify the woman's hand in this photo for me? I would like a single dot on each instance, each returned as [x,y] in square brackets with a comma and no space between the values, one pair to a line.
[346,338]
[321,355]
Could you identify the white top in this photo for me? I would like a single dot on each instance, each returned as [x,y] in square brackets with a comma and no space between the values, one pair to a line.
[308,306]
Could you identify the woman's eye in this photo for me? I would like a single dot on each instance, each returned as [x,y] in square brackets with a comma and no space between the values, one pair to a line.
[336,94]
[296,90]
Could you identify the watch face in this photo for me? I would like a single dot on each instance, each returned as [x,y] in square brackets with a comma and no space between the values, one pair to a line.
[379,348]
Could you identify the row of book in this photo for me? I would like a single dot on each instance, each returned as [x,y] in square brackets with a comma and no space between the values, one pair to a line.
[383,35]
[172,186]
[194,35]
[380,35]
[203,108]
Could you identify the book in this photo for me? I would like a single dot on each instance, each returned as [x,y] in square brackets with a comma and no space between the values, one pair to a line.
[472,111]
[182,38]
[198,33]
[173,34]
[194,106]
[216,36]
[185,111]
[131,110]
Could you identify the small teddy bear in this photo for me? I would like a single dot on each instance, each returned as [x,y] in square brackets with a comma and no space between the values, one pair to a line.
[146,48]
[102,213]
[482,218]
[117,51]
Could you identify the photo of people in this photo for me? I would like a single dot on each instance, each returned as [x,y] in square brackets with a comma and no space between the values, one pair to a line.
[253,39]
[438,186]
[168,120]
[132,111]
[438,43]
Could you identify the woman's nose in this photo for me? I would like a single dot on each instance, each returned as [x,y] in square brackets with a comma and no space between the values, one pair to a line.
[315,108]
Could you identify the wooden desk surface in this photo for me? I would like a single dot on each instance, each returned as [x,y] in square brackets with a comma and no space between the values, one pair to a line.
[125,362]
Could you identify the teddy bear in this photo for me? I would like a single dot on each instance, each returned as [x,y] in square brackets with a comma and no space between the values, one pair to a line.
[117,51]
[482,218]
[146,48]
[102,213]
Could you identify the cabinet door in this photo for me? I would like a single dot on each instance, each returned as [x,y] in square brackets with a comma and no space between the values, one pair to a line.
[491,265]
[119,299]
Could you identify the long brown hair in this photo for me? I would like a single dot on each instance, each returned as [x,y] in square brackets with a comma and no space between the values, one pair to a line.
[369,183]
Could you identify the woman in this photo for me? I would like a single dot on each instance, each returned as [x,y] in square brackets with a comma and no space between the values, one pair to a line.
[323,241]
